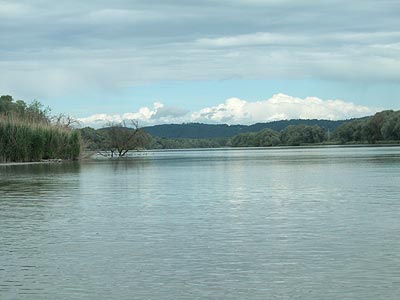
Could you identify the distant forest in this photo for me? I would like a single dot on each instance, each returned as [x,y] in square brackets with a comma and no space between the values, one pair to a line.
[205,131]
[383,127]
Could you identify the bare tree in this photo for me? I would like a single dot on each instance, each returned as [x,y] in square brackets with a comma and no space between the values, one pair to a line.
[64,121]
[123,138]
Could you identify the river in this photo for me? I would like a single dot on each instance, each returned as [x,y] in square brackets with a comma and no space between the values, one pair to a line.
[279,223]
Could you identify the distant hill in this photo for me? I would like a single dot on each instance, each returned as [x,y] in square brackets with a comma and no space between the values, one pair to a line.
[200,131]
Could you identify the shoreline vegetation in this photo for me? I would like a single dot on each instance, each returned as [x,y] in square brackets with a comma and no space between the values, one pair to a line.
[381,128]
[29,134]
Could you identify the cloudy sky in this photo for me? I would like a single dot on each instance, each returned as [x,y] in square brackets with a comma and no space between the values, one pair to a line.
[230,61]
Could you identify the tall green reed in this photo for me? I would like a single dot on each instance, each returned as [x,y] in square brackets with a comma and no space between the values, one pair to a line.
[26,140]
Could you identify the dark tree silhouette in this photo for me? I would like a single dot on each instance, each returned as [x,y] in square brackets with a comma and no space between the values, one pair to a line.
[122,138]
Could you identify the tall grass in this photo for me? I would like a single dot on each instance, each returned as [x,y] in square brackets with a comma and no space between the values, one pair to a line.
[25,141]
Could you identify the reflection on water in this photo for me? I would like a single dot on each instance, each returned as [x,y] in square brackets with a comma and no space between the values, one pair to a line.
[26,181]
[227,224]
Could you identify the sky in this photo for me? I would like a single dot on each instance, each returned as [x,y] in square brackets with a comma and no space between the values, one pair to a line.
[211,61]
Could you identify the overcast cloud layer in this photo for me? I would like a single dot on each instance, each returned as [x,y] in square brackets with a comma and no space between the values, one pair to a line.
[51,48]
[237,111]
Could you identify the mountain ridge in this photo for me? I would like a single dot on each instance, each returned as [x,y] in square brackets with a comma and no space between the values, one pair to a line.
[201,130]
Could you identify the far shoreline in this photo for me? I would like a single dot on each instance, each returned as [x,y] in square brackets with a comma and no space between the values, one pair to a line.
[305,146]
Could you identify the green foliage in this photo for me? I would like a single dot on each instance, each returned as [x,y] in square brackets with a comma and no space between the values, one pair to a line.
[244,140]
[184,143]
[93,139]
[302,134]
[352,131]
[390,128]
[33,112]
[6,104]
[264,138]
[384,125]
[74,143]
[21,141]
[267,138]
[292,135]
[27,135]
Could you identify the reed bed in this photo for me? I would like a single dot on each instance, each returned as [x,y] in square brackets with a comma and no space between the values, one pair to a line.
[27,141]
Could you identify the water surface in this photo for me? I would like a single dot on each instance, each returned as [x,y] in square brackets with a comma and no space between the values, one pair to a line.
[313,223]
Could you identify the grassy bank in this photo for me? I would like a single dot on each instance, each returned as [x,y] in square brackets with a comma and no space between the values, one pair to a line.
[27,141]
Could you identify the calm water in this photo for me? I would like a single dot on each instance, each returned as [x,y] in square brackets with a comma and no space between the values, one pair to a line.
[239,224]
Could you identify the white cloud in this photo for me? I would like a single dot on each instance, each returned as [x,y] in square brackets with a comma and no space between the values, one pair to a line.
[253,39]
[237,111]
[303,40]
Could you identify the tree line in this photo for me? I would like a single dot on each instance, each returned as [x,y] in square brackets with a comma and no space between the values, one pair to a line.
[206,131]
[382,127]
[293,135]
[28,132]
[101,140]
